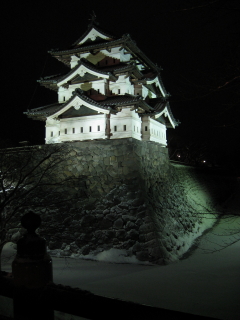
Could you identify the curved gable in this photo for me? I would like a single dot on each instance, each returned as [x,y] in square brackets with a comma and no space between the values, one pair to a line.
[167,114]
[81,70]
[76,102]
[158,84]
[92,34]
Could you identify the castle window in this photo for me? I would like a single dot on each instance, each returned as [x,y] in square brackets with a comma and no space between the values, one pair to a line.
[63,98]
[115,128]
[119,91]
[145,128]
[81,130]
[90,129]
[73,130]
[124,127]
[59,133]
[98,128]
[65,130]
[51,133]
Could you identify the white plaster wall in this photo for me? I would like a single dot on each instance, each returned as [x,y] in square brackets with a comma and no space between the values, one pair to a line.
[123,84]
[157,132]
[63,94]
[52,129]
[144,92]
[132,122]
[135,128]
[74,61]
[85,123]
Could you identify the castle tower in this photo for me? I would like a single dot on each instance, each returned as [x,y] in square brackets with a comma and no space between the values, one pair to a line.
[111,91]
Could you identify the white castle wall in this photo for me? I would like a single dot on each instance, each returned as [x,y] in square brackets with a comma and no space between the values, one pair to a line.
[125,124]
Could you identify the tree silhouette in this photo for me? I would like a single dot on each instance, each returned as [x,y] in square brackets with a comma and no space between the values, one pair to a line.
[33,178]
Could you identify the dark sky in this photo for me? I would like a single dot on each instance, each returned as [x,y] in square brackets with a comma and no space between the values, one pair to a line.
[195,42]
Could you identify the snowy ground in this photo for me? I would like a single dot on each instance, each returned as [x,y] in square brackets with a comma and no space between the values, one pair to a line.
[204,283]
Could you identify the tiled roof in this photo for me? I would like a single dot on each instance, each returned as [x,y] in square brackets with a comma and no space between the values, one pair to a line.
[118,67]
[87,48]
[80,93]
[159,104]
[176,122]
[125,100]
[45,110]
[107,104]
[125,41]
[50,79]
[84,62]
[54,76]
[120,100]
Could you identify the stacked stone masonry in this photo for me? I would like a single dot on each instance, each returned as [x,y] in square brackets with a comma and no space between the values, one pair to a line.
[135,200]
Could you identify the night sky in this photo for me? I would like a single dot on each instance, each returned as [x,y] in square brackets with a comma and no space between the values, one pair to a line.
[195,42]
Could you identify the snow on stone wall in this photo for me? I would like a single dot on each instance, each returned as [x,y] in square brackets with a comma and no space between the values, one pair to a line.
[135,200]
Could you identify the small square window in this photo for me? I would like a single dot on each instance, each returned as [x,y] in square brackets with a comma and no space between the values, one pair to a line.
[81,130]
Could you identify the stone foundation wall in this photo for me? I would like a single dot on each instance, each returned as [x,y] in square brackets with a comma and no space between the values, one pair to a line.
[135,200]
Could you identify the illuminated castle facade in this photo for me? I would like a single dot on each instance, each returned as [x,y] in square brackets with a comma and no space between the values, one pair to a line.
[112,91]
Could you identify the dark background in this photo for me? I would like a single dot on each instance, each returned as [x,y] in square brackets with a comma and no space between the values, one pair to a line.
[195,42]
